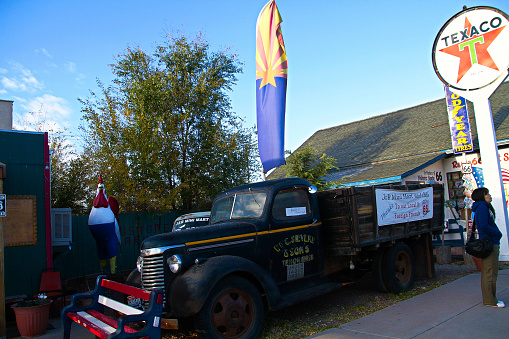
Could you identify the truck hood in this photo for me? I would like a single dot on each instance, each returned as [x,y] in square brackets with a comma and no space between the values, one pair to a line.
[203,233]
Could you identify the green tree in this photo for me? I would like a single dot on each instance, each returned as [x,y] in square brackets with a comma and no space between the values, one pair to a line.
[307,164]
[69,170]
[163,133]
[71,183]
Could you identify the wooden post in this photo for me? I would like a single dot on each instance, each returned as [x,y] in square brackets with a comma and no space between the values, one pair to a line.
[3,318]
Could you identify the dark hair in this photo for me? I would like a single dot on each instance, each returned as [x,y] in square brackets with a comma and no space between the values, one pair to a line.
[479,194]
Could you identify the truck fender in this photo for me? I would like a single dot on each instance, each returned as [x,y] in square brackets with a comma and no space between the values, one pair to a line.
[190,290]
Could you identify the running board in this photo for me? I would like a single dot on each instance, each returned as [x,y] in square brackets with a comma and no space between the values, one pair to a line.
[300,293]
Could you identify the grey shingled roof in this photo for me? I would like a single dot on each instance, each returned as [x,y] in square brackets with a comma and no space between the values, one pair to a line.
[385,171]
[393,144]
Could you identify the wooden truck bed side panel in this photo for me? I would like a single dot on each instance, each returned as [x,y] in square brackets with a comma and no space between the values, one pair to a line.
[350,221]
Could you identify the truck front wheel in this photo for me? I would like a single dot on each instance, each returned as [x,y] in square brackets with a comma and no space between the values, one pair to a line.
[398,268]
[234,309]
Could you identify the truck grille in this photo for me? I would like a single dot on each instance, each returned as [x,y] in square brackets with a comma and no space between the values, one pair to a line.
[152,274]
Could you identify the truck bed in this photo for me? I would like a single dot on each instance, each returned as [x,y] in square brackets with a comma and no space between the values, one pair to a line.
[350,220]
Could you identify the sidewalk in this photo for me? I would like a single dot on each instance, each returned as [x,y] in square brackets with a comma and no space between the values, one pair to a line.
[454,310]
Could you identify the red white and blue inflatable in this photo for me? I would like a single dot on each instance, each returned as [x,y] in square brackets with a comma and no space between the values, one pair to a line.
[103,225]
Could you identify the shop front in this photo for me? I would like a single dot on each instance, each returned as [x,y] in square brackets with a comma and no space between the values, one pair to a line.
[462,180]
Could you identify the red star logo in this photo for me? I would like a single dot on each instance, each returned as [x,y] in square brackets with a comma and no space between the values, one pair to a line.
[474,50]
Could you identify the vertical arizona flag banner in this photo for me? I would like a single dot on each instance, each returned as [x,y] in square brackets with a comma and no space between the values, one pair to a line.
[459,122]
[271,78]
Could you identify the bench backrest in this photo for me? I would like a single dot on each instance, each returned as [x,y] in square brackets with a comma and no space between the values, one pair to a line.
[127,290]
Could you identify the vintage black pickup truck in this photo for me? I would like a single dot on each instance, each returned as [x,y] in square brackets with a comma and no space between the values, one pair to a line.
[280,242]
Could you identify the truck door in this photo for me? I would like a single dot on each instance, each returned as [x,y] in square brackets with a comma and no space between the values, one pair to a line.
[293,236]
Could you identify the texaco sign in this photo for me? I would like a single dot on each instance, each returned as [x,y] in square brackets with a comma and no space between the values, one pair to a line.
[471,50]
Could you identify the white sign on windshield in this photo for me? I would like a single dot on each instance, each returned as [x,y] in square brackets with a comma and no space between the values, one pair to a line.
[295,211]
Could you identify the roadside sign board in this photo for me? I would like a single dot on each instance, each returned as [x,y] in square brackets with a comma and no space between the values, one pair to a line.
[471,50]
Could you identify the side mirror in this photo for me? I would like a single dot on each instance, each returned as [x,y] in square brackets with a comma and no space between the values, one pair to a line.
[312,189]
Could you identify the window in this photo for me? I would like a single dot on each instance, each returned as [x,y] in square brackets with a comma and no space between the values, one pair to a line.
[61,229]
[291,204]
[241,205]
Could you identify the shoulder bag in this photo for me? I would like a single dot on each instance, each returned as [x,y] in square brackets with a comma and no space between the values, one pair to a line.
[479,248]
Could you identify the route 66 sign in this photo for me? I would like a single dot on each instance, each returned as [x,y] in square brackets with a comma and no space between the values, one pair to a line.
[466,168]
[2,205]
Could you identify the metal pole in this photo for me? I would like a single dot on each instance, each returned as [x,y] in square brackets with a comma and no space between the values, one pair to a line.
[491,168]
[466,207]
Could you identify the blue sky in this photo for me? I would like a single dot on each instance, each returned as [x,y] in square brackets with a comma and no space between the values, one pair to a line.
[347,60]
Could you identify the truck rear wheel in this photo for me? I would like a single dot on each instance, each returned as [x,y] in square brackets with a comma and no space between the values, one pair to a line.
[234,309]
[399,268]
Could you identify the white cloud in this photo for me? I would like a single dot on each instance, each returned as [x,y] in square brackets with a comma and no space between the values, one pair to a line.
[3,91]
[13,84]
[44,52]
[23,80]
[70,66]
[48,112]
[50,105]
[19,99]
[80,77]
[3,70]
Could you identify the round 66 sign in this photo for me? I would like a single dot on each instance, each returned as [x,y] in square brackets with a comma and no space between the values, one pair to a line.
[471,50]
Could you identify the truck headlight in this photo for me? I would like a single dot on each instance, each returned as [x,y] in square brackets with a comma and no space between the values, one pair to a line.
[175,263]
[139,264]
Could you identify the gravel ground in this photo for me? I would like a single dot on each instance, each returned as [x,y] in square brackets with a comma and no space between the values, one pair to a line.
[350,302]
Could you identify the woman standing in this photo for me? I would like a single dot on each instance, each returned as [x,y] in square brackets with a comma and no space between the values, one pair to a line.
[484,219]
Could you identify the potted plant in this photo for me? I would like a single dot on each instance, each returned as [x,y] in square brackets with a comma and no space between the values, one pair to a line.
[32,316]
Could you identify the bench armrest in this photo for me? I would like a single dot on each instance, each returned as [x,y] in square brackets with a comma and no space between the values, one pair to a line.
[94,295]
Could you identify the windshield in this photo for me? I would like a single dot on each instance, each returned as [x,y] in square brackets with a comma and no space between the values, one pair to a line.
[240,205]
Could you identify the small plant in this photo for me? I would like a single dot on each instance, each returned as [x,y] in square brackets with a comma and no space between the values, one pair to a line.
[41,300]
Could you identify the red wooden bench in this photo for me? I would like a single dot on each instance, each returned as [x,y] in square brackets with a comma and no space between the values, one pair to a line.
[93,318]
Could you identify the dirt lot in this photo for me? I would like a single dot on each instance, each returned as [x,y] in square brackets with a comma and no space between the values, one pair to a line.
[350,302]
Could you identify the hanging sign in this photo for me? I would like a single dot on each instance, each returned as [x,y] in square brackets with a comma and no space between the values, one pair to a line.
[466,168]
[459,122]
[3,209]
[470,51]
